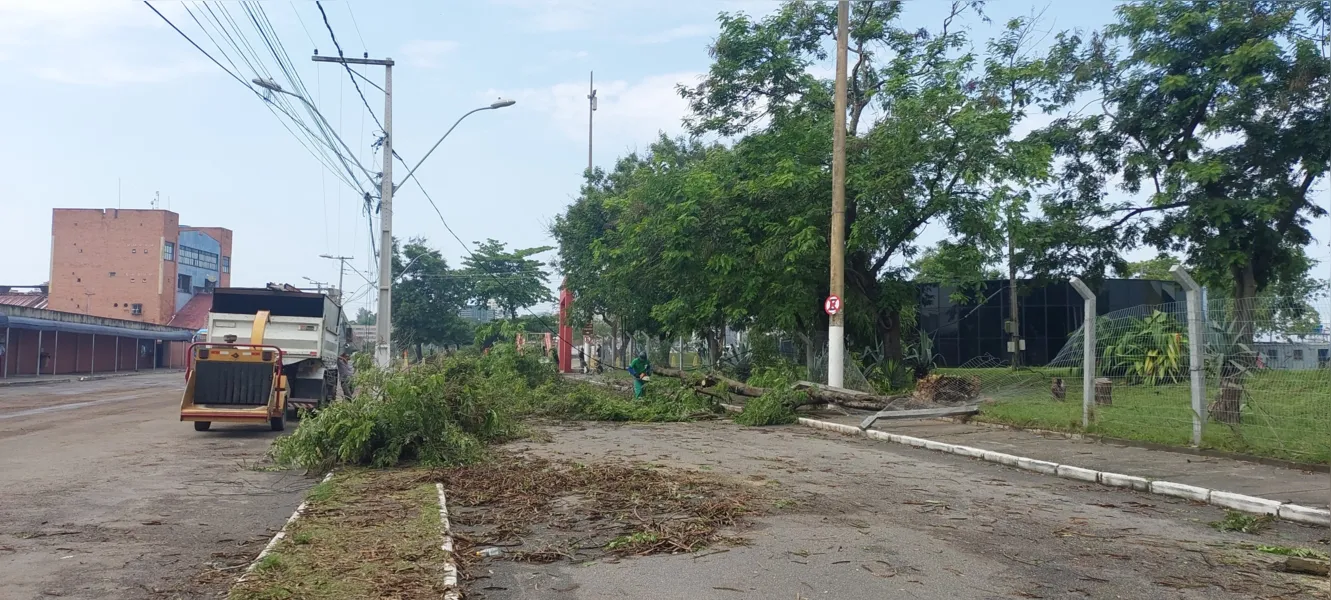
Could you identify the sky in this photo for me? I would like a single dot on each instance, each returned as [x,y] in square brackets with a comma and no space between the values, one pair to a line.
[108,106]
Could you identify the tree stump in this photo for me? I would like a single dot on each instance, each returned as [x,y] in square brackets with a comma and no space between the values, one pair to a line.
[1058,389]
[1104,391]
[1228,403]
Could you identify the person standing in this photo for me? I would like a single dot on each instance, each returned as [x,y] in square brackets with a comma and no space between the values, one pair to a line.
[639,369]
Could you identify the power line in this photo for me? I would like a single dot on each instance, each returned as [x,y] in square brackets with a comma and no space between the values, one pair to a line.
[350,75]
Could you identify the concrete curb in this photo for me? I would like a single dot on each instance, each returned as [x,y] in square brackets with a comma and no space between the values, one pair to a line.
[34,382]
[450,566]
[279,536]
[1249,504]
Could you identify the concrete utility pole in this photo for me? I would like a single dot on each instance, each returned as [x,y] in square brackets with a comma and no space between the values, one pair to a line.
[836,330]
[591,109]
[1014,321]
[383,345]
[341,273]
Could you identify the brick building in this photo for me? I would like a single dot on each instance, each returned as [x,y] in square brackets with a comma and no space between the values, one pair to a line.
[137,265]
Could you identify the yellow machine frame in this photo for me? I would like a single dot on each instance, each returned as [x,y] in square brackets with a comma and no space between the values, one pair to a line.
[273,413]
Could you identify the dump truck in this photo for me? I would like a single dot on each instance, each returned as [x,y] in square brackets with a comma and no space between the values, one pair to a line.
[305,330]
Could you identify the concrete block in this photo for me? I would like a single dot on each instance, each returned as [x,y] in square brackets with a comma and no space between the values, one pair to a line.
[1039,466]
[938,446]
[968,451]
[1140,484]
[833,427]
[1305,514]
[1000,458]
[1180,490]
[1078,473]
[912,441]
[875,434]
[1248,504]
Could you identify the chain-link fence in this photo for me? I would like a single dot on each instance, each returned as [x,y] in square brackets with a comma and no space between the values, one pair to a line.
[1263,386]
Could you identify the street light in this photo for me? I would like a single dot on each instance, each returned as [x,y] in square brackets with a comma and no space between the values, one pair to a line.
[497,104]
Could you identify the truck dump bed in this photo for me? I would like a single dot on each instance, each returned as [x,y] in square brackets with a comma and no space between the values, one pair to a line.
[302,324]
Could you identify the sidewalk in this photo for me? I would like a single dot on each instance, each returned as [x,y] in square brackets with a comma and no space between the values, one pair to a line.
[23,380]
[1227,474]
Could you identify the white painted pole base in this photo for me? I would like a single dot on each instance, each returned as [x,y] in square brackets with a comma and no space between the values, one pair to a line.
[836,355]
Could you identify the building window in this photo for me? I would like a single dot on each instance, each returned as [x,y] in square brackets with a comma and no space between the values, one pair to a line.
[169,251]
[183,283]
[226,264]
[133,250]
[136,309]
[110,273]
[1272,355]
[208,285]
[198,258]
[1298,354]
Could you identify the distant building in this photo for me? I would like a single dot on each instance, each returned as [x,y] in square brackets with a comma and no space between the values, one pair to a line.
[137,265]
[480,314]
[34,296]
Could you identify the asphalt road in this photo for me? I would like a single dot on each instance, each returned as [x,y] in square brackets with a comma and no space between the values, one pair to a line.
[104,493]
[866,520]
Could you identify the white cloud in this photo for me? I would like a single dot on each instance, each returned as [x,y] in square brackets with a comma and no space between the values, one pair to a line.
[627,114]
[555,15]
[676,33]
[427,53]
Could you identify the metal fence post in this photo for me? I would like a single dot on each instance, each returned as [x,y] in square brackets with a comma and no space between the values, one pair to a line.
[1193,293]
[1088,350]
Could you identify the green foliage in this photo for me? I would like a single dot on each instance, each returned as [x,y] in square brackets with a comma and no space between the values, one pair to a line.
[1296,552]
[439,412]
[427,296]
[1150,351]
[774,376]
[364,316]
[1243,522]
[511,278]
[921,356]
[776,407]
[660,403]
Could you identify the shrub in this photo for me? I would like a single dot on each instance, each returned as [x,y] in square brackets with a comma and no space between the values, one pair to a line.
[776,407]
[439,412]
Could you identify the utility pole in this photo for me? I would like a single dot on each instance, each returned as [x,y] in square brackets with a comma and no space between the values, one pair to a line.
[836,329]
[341,273]
[383,324]
[1013,320]
[591,108]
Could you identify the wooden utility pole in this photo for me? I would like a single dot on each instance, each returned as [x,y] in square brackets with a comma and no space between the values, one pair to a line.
[836,329]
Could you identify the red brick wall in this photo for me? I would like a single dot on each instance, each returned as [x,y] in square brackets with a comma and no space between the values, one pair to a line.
[87,245]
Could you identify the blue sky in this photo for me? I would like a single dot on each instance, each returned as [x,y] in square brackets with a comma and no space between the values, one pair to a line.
[107,105]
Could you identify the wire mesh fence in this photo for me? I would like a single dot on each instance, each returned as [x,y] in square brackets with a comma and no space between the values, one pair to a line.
[1263,386]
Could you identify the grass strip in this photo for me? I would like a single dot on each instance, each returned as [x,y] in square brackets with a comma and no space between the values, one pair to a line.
[365,534]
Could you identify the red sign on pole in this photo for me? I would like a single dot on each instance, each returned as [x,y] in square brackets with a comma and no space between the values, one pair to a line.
[832,305]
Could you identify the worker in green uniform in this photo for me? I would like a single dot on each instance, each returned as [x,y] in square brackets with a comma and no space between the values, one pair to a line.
[639,369]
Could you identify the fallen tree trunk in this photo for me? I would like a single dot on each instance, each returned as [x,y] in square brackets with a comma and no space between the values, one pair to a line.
[815,393]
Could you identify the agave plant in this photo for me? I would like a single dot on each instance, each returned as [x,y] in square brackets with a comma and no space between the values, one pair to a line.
[921,356]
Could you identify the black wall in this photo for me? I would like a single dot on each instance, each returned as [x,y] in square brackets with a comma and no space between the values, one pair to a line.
[967,330]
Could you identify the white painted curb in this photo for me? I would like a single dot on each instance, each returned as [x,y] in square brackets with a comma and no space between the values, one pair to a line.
[280,535]
[1249,504]
[450,566]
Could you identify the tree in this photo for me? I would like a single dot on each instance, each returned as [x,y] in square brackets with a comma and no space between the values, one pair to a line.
[364,317]
[427,296]
[512,280]
[1216,112]
[1151,268]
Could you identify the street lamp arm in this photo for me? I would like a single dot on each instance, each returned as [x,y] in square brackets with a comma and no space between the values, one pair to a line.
[497,105]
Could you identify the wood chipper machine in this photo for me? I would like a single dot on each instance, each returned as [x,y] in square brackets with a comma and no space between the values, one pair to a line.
[236,383]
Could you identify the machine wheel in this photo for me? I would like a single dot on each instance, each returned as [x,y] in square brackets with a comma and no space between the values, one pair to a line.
[202,425]
[278,423]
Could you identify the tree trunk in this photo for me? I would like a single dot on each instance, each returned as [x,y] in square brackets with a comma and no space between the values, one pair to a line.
[418,352]
[1245,299]
[813,395]
[714,347]
[890,330]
